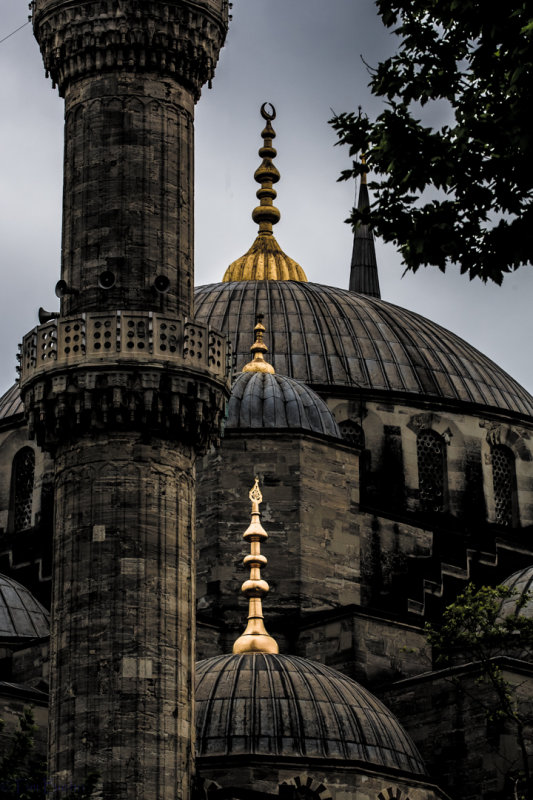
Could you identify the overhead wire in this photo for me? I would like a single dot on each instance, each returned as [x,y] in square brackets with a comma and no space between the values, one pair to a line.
[14,32]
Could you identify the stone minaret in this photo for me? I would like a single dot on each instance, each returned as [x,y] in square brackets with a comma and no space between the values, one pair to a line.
[124,388]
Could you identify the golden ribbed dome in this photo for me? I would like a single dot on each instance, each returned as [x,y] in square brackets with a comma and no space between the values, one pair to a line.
[265,260]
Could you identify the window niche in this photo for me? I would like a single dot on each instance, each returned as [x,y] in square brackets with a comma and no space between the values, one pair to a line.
[22,481]
[504,486]
[432,471]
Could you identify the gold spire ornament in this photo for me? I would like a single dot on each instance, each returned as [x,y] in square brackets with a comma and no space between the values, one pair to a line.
[255,639]
[265,260]
[364,174]
[258,349]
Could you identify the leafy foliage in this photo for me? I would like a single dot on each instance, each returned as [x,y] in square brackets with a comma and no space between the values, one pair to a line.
[477,628]
[472,61]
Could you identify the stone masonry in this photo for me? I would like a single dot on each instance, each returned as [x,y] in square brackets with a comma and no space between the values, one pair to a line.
[124,390]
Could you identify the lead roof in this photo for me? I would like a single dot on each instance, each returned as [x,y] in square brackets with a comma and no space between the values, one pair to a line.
[327,336]
[285,706]
[263,400]
[21,615]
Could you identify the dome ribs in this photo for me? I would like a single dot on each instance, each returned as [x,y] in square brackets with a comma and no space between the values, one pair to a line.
[271,401]
[334,337]
[313,711]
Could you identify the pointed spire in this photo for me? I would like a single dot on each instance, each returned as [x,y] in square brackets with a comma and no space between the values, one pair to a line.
[258,363]
[265,260]
[255,639]
[364,269]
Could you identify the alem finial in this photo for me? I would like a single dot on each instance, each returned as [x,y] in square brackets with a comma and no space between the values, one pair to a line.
[255,639]
[265,260]
[258,363]
[267,174]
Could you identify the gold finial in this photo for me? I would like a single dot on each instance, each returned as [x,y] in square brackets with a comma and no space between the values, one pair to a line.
[267,174]
[265,260]
[255,639]
[363,162]
[258,363]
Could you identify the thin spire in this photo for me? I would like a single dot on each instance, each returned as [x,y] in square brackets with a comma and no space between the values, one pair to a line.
[265,260]
[258,349]
[364,276]
[255,639]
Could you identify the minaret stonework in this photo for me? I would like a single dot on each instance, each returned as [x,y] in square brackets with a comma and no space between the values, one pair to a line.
[124,388]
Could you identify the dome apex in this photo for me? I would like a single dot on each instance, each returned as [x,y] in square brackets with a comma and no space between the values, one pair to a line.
[265,260]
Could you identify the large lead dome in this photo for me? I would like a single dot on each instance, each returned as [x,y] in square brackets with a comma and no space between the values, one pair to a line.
[327,336]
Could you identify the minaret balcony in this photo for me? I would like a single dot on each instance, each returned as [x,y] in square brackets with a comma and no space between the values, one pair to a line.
[124,369]
[101,338]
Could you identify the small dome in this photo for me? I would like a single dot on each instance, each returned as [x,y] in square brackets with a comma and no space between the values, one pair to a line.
[263,400]
[285,706]
[519,603]
[21,615]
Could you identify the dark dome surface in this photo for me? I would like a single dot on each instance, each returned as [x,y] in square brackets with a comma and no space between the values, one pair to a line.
[11,403]
[263,400]
[21,615]
[327,336]
[278,705]
[519,604]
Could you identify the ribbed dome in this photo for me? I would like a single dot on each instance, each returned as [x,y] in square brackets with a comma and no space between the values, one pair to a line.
[262,400]
[285,706]
[328,336]
[11,403]
[519,604]
[21,615]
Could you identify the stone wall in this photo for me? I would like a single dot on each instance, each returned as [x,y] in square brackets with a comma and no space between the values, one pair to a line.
[309,510]
[448,714]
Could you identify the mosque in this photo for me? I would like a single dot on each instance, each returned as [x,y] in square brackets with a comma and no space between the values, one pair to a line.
[385,462]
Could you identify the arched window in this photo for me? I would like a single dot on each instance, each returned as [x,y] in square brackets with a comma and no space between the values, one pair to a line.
[22,477]
[504,485]
[431,455]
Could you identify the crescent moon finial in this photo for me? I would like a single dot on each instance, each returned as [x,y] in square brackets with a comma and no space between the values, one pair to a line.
[268,115]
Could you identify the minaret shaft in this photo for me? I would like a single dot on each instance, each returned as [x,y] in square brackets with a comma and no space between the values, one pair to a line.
[124,389]
[121,650]
[128,198]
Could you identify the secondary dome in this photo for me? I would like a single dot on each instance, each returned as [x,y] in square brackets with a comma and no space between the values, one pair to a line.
[263,400]
[285,706]
[21,615]
[521,602]
[327,336]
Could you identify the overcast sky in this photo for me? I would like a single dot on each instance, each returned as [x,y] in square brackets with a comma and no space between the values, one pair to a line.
[304,56]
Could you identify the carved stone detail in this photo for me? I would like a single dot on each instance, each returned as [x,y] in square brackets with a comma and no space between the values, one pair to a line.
[180,40]
[65,405]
